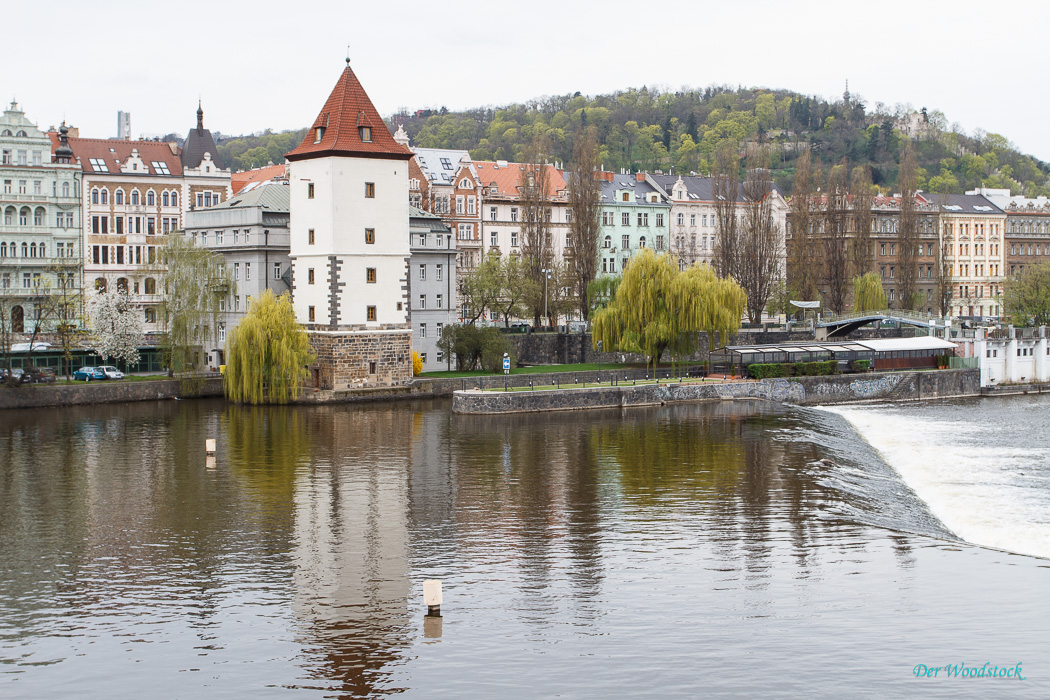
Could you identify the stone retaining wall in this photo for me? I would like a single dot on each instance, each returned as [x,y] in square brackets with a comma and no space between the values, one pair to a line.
[38,396]
[850,388]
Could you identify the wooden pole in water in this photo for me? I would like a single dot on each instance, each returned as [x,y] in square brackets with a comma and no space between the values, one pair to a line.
[432,597]
[209,446]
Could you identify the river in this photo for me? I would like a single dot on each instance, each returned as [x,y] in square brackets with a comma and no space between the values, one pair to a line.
[717,549]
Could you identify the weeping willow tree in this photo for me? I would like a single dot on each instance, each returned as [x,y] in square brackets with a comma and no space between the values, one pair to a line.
[868,294]
[657,307]
[268,353]
[197,286]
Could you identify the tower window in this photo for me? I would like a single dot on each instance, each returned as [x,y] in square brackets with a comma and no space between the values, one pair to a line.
[370,235]
[370,190]
[371,313]
[311,236]
[366,133]
[370,275]
[318,134]
[309,190]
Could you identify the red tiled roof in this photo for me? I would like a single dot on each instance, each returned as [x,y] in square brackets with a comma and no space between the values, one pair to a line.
[115,152]
[241,180]
[506,177]
[347,109]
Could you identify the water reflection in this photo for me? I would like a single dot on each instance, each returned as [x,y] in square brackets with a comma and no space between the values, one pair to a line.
[296,562]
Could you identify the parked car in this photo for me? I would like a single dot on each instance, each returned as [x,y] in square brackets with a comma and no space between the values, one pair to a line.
[86,374]
[111,372]
[38,375]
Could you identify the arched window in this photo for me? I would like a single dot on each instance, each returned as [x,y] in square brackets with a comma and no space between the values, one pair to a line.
[122,284]
[608,242]
[104,194]
[9,216]
[5,132]
[150,286]
[134,196]
[118,198]
[151,199]
[38,216]
[18,320]
[94,195]
[151,315]
[164,198]
[100,284]
[3,250]
[42,250]
[21,132]
[25,250]
[65,189]
[641,242]
[32,250]
[174,199]
[23,216]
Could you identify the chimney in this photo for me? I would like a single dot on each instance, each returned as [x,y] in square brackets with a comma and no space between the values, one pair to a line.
[640,177]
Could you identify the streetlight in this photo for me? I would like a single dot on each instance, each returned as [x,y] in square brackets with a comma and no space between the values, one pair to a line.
[546,276]
[599,362]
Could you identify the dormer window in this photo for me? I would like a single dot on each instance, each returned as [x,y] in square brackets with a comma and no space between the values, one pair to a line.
[366,133]
[318,134]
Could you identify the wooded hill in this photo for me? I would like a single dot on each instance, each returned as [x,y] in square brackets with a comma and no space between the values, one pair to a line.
[647,129]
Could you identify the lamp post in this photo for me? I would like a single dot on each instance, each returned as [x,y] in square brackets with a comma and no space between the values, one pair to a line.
[546,277]
[599,362]
[448,290]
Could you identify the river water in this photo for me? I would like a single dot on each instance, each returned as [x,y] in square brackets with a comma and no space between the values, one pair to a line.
[719,549]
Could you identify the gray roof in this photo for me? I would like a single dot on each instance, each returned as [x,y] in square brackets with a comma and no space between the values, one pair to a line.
[629,182]
[198,142]
[963,203]
[697,187]
[439,164]
[423,219]
[271,196]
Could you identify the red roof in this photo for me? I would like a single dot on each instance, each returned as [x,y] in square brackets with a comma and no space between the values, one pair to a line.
[243,179]
[114,152]
[506,175]
[347,109]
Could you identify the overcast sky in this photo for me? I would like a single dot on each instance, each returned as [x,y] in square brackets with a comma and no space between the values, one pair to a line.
[267,64]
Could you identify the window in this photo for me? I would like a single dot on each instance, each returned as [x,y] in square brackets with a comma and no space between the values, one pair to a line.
[625,241]
[659,220]
[309,274]
[370,235]
[313,316]
[160,168]
[423,240]
[514,239]
[318,134]
[247,272]
[104,195]
[422,301]
[641,242]
[277,270]
[422,330]
[513,213]
[422,272]
[163,199]
[218,238]
[440,301]
[37,187]
[366,133]
[370,313]
[7,187]
[370,190]
[370,275]
[643,219]
[492,213]
[310,236]
[607,243]
[174,199]
[309,190]
[118,198]
[371,365]
[22,185]
[625,219]
[134,196]
[150,286]
[439,273]
[98,165]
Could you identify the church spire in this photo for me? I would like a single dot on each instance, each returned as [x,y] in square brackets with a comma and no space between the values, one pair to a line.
[200,117]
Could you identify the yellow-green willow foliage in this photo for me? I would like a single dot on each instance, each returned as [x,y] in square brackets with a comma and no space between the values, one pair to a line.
[658,307]
[267,353]
[868,294]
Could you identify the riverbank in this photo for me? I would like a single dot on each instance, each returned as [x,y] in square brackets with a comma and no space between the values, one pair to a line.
[803,391]
[81,394]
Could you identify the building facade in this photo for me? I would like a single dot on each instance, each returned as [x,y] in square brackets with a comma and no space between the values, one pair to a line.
[40,242]
[350,242]
[973,235]
[635,216]
[251,232]
[1027,237]
[431,286]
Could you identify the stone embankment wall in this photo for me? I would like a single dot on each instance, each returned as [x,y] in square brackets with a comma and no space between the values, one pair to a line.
[39,396]
[889,386]
[572,348]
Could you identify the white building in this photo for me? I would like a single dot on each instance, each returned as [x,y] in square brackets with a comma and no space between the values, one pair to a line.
[350,242]
[432,286]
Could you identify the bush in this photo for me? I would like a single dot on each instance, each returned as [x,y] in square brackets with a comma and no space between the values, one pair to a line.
[476,347]
[417,364]
[860,365]
[772,369]
[795,369]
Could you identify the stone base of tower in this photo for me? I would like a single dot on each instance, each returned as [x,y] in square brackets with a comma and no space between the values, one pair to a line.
[350,359]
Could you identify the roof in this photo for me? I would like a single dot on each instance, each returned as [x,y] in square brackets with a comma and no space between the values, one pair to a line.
[271,196]
[923,342]
[115,152]
[348,108]
[698,188]
[422,219]
[640,188]
[964,203]
[248,179]
[439,164]
[505,177]
[198,142]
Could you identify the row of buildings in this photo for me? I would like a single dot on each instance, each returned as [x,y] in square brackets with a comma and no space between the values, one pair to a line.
[371,236]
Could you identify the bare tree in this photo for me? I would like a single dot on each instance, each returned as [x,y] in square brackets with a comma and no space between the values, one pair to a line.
[585,205]
[861,259]
[537,245]
[835,273]
[945,269]
[725,187]
[758,259]
[803,251]
[908,231]
[66,305]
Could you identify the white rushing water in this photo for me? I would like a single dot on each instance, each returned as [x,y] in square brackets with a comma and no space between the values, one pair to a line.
[982,467]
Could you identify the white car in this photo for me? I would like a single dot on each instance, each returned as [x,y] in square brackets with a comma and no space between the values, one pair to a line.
[111,372]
